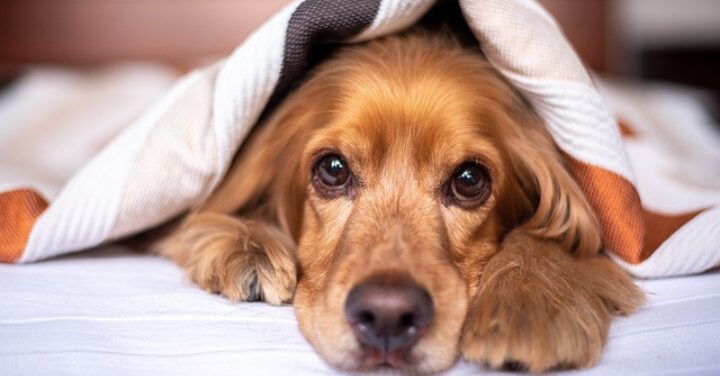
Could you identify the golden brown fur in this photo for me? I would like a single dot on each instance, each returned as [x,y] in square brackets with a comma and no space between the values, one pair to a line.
[515,279]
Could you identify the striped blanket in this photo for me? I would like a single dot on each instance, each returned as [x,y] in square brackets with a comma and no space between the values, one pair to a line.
[658,210]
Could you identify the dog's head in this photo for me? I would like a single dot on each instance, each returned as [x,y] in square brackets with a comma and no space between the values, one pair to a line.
[398,168]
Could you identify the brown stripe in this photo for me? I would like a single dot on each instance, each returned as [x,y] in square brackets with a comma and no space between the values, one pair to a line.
[313,31]
[629,231]
[19,209]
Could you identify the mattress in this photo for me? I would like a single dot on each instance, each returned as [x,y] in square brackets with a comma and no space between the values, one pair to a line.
[113,311]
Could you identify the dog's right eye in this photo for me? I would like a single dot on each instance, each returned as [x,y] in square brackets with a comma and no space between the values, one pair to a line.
[331,175]
[469,186]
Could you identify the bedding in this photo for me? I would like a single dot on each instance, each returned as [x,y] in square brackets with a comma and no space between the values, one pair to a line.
[113,311]
[177,151]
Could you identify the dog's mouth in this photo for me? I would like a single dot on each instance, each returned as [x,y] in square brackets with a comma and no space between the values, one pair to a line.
[374,358]
[387,355]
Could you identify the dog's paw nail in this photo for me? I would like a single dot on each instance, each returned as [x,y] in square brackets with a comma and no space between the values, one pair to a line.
[252,290]
[513,366]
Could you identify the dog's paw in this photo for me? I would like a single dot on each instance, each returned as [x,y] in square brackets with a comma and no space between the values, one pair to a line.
[525,331]
[539,309]
[251,267]
[240,259]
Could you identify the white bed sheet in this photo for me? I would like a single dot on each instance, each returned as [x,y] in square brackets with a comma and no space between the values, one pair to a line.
[117,312]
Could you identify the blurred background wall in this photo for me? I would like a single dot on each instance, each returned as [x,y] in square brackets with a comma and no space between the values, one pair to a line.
[670,40]
[97,31]
[674,40]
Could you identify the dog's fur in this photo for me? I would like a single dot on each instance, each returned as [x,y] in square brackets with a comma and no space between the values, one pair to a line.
[518,278]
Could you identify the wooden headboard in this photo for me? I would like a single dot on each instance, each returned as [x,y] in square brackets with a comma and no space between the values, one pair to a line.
[185,31]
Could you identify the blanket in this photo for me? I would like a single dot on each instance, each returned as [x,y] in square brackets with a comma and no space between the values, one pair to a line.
[173,156]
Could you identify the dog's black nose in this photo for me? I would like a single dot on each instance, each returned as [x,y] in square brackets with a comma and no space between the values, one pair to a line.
[389,314]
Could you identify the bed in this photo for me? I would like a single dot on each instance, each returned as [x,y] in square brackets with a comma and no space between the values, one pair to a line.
[115,311]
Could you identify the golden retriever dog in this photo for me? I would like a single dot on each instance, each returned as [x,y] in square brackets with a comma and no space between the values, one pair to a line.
[415,210]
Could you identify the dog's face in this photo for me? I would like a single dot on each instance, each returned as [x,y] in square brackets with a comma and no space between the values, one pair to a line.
[402,196]
[403,187]
[410,160]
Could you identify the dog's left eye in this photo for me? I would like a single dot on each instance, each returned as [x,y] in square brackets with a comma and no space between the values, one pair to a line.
[331,175]
[470,185]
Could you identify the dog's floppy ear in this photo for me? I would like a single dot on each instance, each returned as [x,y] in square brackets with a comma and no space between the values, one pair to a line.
[241,242]
[543,199]
[266,179]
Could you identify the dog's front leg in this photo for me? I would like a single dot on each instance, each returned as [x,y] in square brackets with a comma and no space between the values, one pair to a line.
[244,260]
[539,308]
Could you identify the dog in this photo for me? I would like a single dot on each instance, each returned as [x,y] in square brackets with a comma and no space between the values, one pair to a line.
[412,206]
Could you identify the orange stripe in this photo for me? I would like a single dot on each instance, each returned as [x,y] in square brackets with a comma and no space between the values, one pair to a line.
[19,209]
[629,231]
[659,227]
[617,205]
